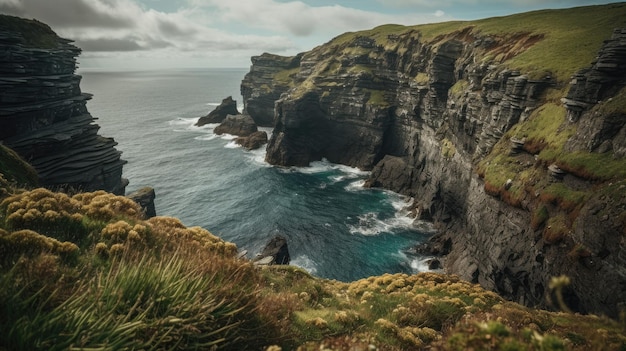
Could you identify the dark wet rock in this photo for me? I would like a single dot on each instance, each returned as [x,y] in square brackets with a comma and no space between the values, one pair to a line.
[227,107]
[145,198]
[275,252]
[240,125]
[434,264]
[253,141]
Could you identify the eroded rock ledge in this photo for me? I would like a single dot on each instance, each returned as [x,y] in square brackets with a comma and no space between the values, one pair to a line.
[43,113]
[448,119]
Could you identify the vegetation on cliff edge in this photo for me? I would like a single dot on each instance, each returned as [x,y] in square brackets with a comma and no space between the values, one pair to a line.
[89,272]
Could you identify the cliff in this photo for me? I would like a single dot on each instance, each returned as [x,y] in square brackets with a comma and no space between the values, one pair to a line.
[43,113]
[508,132]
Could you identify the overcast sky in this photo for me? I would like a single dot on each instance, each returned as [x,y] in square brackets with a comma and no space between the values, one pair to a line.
[146,34]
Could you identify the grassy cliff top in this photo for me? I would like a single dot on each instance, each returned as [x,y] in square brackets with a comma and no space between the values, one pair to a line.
[562,41]
[34,33]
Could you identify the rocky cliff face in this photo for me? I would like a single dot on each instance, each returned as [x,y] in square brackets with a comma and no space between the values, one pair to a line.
[467,118]
[43,113]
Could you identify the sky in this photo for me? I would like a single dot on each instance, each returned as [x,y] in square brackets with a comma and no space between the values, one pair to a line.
[157,34]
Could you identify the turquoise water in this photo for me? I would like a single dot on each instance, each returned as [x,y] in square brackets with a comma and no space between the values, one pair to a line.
[334,227]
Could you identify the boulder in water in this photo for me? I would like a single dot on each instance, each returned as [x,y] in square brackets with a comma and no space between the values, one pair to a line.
[227,107]
[253,141]
[239,125]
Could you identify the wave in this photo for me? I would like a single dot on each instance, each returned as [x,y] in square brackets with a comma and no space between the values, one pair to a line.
[304,262]
[355,186]
[206,137]
[232,144]
[257,157]
[421,265]
[189,124]
[370,223]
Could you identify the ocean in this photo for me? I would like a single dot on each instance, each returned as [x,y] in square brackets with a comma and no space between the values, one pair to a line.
[335,228]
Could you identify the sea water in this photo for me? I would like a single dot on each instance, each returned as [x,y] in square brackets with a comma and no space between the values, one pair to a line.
[334,227]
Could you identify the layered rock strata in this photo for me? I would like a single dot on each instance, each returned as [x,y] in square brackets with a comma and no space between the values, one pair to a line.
[227,107]
[435,117]
[246,130]
[43,113]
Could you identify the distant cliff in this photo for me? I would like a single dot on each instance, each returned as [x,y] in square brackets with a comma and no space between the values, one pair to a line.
[43,113]
[520,165]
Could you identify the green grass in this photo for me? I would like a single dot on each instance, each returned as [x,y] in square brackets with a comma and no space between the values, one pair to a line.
[135,304]
[615,105]
[572,37]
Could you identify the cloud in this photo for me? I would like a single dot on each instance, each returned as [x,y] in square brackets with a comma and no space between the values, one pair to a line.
[75,13]
[124,25]
[301,19]
[104,44]
[202,28]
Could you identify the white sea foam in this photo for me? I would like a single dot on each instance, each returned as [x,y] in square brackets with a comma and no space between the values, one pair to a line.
[371,224]
[206,137]
[189,124]
[304,262]
[325,166]
[257,156]
[421,265]
[183,121]
[355,186]
[232,144]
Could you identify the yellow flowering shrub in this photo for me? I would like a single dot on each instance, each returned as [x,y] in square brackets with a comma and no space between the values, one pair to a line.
[30,243]
[105,206]
[171,230]
[40,209]
[122,231]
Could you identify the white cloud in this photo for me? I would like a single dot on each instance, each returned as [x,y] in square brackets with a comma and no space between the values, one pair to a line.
[301,19]
[200,29]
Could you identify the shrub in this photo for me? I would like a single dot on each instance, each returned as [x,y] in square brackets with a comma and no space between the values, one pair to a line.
[175,303]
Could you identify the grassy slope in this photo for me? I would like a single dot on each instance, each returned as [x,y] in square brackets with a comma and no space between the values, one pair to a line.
[88,272]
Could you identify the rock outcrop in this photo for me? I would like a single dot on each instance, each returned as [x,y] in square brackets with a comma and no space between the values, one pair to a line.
[240,125]
[227,107]
[467,121]
[43,113]
[269,77]
[275,252]
[245,128]
[145,198]
[253,141]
